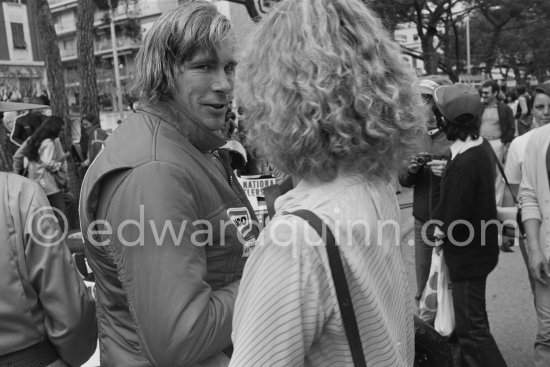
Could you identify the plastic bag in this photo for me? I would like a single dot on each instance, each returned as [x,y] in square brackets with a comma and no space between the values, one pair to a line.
[428,301]
[445,315]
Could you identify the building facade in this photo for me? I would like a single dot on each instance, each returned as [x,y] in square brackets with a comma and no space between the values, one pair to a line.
[22,71]
[132,18]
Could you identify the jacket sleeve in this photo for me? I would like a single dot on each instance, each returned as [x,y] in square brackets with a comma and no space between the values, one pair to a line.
[180,320]
[407,179]
[69,313]
[507,123]
[19,158]
[285,298]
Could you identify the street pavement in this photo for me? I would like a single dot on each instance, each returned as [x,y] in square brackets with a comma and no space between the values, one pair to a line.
[509,299]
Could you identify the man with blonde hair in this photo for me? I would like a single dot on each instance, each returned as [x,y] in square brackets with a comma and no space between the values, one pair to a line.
[167,227]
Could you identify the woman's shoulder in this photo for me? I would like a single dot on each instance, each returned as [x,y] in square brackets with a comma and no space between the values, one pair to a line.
[46,142]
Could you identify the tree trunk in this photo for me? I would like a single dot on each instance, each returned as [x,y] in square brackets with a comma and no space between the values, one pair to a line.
[89,101]
[54,67]
[430,55]
[58,97]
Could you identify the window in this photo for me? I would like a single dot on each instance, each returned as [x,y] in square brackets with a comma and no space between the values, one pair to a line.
[18,36]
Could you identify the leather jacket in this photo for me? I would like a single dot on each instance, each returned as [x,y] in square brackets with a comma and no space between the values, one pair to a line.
[43,297]
[165,296]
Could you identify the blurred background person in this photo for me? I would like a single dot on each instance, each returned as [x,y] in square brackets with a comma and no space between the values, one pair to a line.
[511,101]
[46,161]
[470,249]
[91,140]
[25,125]
[523,112]
[534,196]
[498,127]
[423,173]
[339,116]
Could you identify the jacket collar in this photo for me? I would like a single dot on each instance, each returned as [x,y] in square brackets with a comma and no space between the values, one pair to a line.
[193,130]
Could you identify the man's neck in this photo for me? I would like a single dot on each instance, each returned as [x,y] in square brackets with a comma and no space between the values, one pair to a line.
[492,103]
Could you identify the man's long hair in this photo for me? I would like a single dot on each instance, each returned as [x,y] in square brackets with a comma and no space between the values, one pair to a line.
[175,38]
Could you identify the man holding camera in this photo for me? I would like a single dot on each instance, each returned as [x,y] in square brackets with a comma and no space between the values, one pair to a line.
[424,172]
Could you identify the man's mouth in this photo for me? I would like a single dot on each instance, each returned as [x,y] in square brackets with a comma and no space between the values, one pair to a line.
[217,106]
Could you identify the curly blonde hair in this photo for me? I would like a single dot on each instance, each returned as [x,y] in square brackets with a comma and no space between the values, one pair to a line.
[325,91]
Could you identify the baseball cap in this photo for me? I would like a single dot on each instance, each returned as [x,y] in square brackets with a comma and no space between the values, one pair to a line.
[544,88]
[455,100]
[16,106]
[429,83]
[427,86]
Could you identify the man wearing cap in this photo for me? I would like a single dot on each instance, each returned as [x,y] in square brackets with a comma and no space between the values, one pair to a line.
[425,177]
[470,247]
[498,127]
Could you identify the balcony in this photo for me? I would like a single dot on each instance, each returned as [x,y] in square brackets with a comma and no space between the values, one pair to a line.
[122,43]
[64,28]
[59,5]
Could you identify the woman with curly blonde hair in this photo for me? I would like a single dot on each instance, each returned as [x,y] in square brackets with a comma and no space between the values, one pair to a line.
[329,102]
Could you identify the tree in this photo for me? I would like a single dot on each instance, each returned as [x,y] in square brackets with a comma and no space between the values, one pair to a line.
[89,101]
[512,36]
[434,20]
[54,67]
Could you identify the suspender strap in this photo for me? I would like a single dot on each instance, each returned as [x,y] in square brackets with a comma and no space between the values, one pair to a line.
[340,285]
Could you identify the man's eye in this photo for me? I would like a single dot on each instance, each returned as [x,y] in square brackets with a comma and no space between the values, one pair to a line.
[230,69]
[204,67]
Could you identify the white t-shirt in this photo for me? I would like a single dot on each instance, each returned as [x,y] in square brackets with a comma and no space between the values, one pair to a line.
[514,159]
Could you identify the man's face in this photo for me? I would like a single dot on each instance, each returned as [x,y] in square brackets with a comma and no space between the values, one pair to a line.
[431,122]
[488,96]
[541,109]
[205,84]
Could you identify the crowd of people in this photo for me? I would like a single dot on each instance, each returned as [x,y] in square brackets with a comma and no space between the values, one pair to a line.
[185,275]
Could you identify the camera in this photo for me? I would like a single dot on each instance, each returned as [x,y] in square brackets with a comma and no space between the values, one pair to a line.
[423,158]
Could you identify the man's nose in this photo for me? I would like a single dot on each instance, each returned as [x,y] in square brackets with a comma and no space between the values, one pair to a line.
[222,82]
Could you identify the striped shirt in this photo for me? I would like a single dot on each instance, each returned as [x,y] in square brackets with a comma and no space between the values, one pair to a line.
[287,314]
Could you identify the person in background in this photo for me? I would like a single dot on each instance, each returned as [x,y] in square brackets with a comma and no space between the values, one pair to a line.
[470,248]
[169,300]
[534,197]
[498,127]
[341,128]
[425,177]
[512,101]
[523,112]
[516,154]
[92,139]
[25,125]
[47,316]
[47,162]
